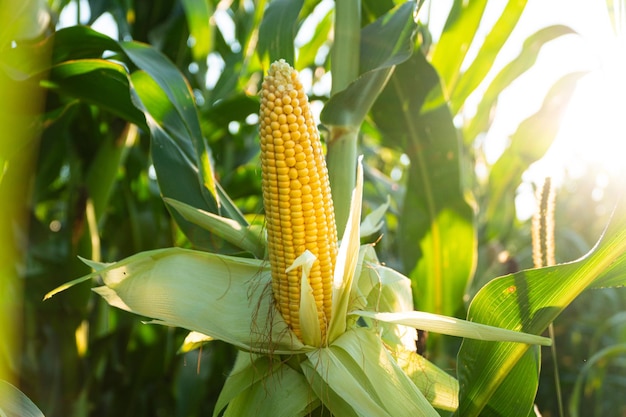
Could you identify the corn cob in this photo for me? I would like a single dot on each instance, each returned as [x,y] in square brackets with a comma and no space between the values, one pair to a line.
[296,194]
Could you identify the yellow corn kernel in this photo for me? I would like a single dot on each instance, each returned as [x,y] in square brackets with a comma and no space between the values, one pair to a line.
[296,194]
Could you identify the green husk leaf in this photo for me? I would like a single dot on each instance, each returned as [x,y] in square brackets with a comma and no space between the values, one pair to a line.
[248,370]
[345,379]
[220,296]
[309,321]
[439,388]
[374,220]
[347,260]
[396,393]
[331,399]
[388,290]
[96,266]
[259,386]
[455,327]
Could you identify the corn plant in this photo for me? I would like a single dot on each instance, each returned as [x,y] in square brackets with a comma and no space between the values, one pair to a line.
[251,258]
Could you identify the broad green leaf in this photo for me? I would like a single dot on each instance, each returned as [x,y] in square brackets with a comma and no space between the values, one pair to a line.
[437,242]
[454,327]
[278,31]
[517,399]
[384,43]
[458,34]
[230,230]
[529,301]
[176,173]
[220,296]
[177,90]
[198,15]
[175,161]
[193,153]
[389,39]
[373,9]
[528,144]
[518,66]
[163,95]
[104,84]
[13,403]
[80,42]
[96,81]
[480,66]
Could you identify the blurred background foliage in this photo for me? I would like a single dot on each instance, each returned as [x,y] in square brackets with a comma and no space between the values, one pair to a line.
[93,192]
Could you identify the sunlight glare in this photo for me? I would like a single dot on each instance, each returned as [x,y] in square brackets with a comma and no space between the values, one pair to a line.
[593,129]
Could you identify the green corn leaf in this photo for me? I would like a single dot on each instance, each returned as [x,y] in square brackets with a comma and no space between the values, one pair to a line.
[600,358]
[458,34]
[437,241]
[247,371]
[230,230]
[278,31]
[529,301]
[518,66]
[160,91]
[97,81]
[308,52]
[198,15]
[384,43]
[528,144]
[481,65]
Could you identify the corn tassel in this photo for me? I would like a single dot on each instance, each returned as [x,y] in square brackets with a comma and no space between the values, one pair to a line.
[296,194]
